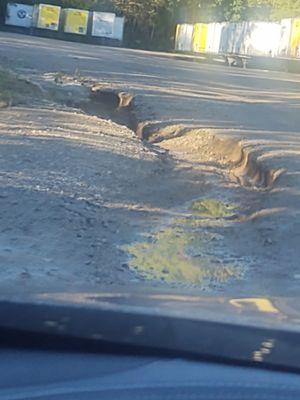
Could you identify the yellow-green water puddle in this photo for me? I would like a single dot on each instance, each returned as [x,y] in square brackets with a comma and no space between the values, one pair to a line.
[179,253]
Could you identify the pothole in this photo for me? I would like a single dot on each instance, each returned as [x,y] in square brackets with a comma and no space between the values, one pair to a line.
[242,165]
[249,172]
[110,104]
[230,154]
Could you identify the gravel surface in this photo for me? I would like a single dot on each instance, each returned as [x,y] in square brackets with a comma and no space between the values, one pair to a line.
[74,190]
[78,191]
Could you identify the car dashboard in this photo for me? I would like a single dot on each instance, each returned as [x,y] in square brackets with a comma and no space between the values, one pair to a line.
[64,375]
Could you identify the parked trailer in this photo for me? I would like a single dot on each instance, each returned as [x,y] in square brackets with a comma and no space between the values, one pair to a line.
[75,21]
[184,37]
[46,16]
[19,15]
[103,24]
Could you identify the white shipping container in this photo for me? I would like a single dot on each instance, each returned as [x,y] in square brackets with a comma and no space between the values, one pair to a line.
[285,38]
[213,40]
[119,28]
[103,24]
[184,37]
[262,39]
[19,15]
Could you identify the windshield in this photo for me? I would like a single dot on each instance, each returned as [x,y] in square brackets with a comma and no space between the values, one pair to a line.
[151,147]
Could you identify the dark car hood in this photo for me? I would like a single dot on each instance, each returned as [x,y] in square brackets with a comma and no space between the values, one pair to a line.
[255,330]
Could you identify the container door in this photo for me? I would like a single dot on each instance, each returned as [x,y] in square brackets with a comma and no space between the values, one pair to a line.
[217,37]
[188,37]
[76,21]
[184,37]
[19,15]
[119,28]
[285,36]
[200,37]
[210,38]
[48,17]
[227,37]
[178,37]
[239,38]
[295,38]
[103,24]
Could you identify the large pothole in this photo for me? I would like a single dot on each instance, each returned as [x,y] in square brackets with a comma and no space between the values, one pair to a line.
[110,104]
[242,165]
[202,146]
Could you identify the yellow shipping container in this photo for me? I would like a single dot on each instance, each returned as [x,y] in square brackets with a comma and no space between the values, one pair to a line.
[76,21]
[200,38]
[48,17]
[295,38]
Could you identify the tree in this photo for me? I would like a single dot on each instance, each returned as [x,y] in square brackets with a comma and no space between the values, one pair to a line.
[277,9]
[148,22]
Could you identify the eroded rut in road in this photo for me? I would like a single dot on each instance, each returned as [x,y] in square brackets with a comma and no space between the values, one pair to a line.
[242,165]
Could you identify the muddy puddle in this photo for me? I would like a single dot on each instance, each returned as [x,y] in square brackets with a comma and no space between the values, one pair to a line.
[185,251]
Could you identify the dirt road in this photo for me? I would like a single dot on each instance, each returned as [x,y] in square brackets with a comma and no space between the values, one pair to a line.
[85,204]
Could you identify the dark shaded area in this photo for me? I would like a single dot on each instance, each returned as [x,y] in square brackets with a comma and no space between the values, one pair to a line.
[98,329]
[111,104]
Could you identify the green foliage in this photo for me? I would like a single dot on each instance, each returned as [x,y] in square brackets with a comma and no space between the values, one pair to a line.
[286,8]
[235,10]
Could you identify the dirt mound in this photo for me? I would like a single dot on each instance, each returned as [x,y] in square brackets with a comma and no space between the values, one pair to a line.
[198,145]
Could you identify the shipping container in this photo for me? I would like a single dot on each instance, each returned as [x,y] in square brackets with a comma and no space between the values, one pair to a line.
[200,37]
[19,15]
[103,24]
[295,38]
[262,39]
[283,49]
[119,28]
[47,16]
[213,40]
[232,37]
[75,21]
[184,37]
